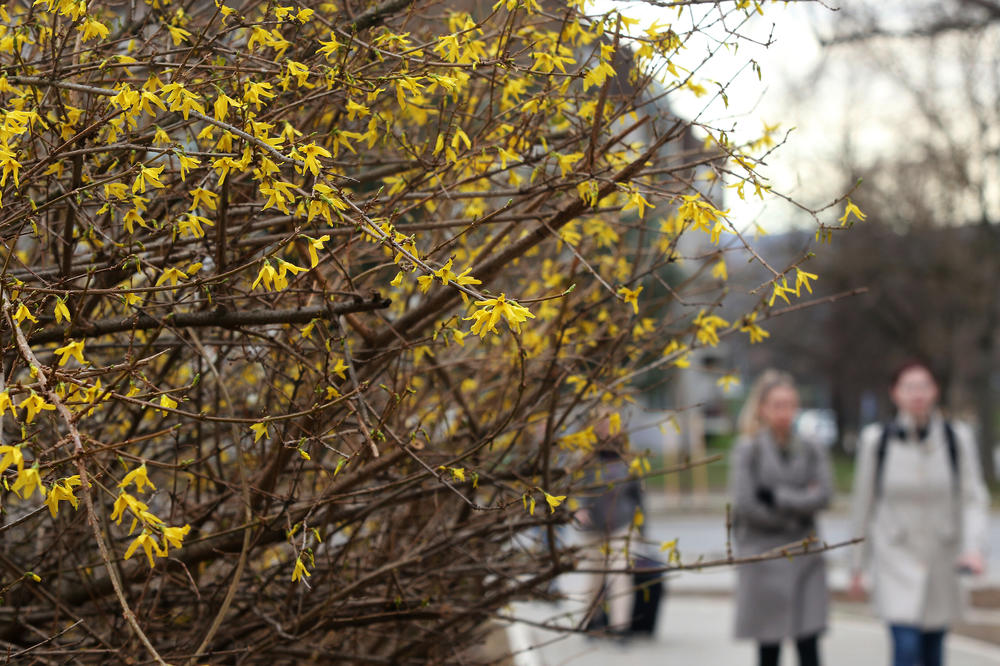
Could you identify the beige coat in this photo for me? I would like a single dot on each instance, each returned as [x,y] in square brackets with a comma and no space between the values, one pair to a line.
[783,597]
[919,525]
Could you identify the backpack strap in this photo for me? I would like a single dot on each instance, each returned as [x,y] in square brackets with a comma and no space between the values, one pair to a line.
[883,445]
[952,442]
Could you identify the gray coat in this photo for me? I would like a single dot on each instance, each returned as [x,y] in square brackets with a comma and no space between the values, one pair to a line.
[613,506]
[919,524]
[783,597]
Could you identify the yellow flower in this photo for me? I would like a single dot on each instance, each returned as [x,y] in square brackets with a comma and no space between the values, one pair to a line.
[62,491]
[91,29]
[707,326]
[171,274]
[203,197]
[259,430]
[802,280]
[174,536]
[187,163]
[614,424]
[780,291]
[34,403]
[631,296]
[457,473]
[126,501]
[11,456]
[553,501]
[149,545]
[265,276]
[74,349]
[310,152]
[168,402]
[140,477]
[314,245]
[728,381]
[61,311]
[23,313]
[178,34]
[149,177]
[133,218]
[5,404]
[222,104]
[284,267]
[300,570]
[491,310]
[750,327]
[28,480]
[851,209]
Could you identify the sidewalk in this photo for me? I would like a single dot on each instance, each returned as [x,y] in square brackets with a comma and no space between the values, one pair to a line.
[695,624]
[697,630]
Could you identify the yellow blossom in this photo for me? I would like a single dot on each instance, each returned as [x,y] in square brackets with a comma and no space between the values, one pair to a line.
[11,455]
[259,430]
[61,311]
[27,481]
[728,381]
[314,245]
[23,313]
[300,570]
[74,349]
[553,501]
[851,209]
[138,476]
[750,327]
[34,404]
[92,28]
[631,296]
[149,177]
[491,310]
[62,491]
[802,280]
[171,274]
[178,34]
[174,536]
[149,545]
[310,152]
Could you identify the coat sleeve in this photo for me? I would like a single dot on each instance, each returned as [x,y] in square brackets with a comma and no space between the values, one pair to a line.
[974,496]
[743,491]
[816,496]
[863,496]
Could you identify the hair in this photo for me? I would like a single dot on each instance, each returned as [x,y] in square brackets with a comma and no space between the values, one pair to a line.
[911,364]
[749,420]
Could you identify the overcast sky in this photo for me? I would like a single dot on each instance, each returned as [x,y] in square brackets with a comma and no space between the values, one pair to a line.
[781,96]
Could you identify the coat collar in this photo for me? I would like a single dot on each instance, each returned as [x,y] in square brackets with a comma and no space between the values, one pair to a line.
[767,440]
[906,428]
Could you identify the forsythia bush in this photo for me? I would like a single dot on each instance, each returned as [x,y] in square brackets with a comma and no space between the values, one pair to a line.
[306,306]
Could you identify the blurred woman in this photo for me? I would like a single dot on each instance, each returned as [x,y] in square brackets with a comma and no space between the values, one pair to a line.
[921,504]
[778,483]
[607,516]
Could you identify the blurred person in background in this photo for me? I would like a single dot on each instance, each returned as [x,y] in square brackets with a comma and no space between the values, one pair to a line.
[921,504]
[778,483]
[607,515]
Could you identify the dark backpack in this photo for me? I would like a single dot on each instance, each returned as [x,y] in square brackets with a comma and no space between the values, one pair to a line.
[883,446]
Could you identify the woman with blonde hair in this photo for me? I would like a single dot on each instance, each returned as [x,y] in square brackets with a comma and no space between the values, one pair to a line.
[778,483]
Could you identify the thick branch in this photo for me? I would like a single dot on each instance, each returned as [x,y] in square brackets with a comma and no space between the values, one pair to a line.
[218,317]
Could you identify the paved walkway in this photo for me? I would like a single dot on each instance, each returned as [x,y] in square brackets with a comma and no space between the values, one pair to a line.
[696,617]
[696,631]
